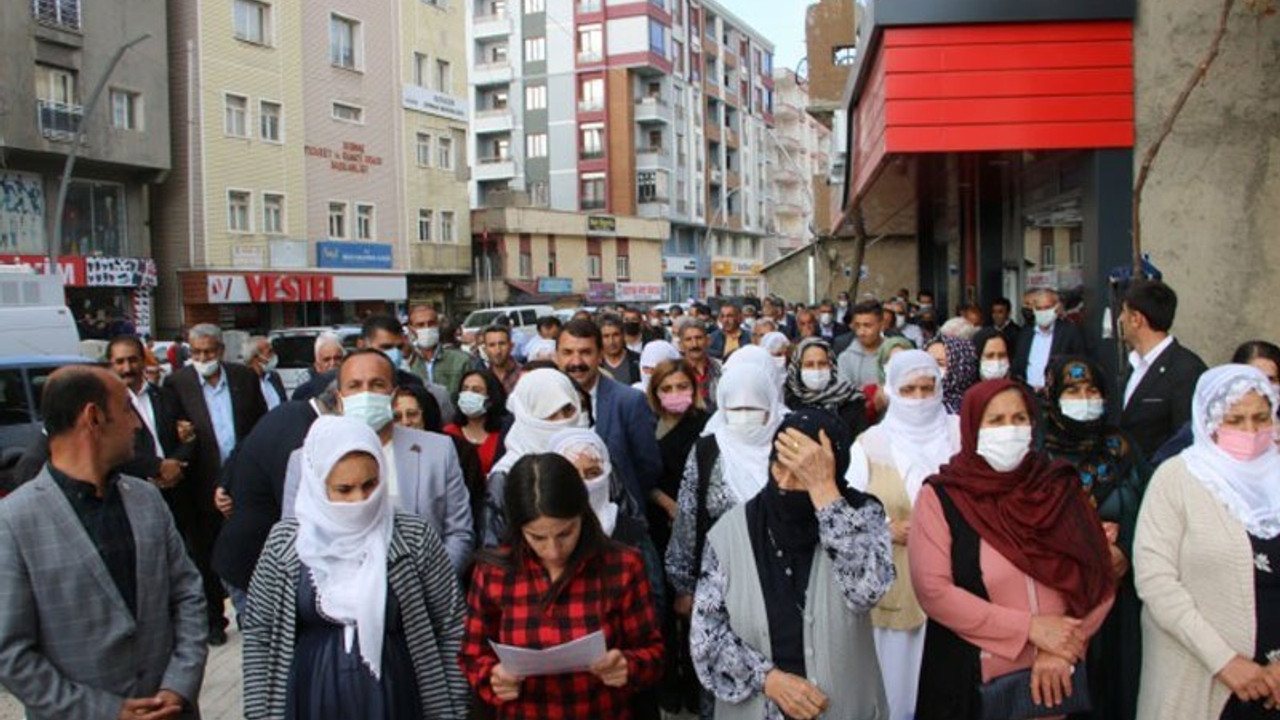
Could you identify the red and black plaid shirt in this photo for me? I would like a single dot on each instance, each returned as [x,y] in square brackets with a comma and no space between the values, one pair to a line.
[609,592]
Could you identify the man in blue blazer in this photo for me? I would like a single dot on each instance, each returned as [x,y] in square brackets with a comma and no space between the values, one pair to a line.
[622,416]
[731,335]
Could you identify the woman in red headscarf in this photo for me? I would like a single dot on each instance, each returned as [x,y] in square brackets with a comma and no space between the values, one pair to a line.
[1010,563]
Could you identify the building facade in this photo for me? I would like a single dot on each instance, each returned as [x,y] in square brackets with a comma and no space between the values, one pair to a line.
[319,154]
[646,108]
[54,54]
[801,162]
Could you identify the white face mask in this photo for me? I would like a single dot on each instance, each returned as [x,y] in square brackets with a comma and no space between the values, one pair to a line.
[994,369]
[206,369]
[471,403]
[816,380]
[745,418]
[373,408]
[1004,447]
[824,318]
[780,361]
[1086,410]
[271,365]
[1045,318]
[427,338]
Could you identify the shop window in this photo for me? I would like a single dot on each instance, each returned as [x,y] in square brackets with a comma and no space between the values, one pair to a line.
[93,221]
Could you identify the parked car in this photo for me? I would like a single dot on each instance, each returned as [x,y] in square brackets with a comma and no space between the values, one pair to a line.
[22,379]
[296,348]
[523,320]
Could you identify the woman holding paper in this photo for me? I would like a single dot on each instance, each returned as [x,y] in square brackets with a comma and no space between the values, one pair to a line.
[561,580]
[354,610]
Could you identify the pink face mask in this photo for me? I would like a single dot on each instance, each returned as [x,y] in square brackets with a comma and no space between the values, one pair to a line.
[1245,446]
[677,403]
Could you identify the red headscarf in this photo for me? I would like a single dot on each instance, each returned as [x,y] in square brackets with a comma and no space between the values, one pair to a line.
[1034,515]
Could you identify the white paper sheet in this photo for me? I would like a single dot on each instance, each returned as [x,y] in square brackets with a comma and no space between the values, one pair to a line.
[574,656]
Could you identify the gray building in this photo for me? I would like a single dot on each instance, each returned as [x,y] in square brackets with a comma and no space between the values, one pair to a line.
[53,53]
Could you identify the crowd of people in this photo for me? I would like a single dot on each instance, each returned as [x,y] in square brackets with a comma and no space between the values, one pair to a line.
[846,510]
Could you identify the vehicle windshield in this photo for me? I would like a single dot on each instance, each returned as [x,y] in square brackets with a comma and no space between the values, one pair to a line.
[295,351]
[482,318]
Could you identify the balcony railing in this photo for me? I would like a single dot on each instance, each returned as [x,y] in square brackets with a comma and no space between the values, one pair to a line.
[591,155]
[592,204]
[64,14]
[590,105]
[590,56]
[59,121]
[495,159]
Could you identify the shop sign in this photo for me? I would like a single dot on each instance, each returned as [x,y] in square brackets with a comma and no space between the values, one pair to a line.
[602,224]
[120,272]
[71,266]
[639,292]
[435,103]
[736,267]
[247,257]
[348,157]
[289,254]
[354,255]
[224,288]
[601,292]
[555,286]
[680,265]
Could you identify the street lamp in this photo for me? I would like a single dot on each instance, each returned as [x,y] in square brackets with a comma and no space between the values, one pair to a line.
[55,242]
[706,237]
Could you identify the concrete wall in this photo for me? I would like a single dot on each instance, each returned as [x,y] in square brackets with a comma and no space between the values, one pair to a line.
[828,24]
[890,262]
[1211,210]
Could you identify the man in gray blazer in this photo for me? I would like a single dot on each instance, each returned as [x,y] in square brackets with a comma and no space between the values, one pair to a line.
[425,478]
[102,612]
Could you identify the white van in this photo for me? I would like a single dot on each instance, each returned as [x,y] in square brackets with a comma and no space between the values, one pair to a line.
[522,319]
[34,318]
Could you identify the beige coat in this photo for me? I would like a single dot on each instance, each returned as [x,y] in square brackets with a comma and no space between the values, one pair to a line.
[1193,567]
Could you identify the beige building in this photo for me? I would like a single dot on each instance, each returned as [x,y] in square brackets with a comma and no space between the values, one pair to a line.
[318,151]
[801,163]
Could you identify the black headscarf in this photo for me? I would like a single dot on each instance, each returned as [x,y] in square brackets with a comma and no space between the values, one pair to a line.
[1100,452]
[783,526]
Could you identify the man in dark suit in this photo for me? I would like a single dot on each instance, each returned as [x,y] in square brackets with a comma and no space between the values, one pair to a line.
[731,334]
[261,358]
[1050,337]
[1002,321]
[619,362]
[1161,378]
[224,402]
[623,418]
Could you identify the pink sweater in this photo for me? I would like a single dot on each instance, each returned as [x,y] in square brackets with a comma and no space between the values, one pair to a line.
[999,628]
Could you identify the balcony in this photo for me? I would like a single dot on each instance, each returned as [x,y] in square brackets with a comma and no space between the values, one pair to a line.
[62,14]
[597,154]
[492,73]
[495,168]
[711,89]
[491,26]
[653,110]
[653,157]
[593,204]
[59,121]
[731,137]
[712,131]
[494,121]
[730,58]
[654,208]
[730,97]
[440,258]
[590,57]
[590,105]
[733,179]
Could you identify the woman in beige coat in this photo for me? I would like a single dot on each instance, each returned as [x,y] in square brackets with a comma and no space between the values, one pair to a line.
[1207,542]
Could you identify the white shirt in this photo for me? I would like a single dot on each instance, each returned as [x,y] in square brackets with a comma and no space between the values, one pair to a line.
[1038,360]
[269,393]
[393,478]
[142,402]
[1141,364]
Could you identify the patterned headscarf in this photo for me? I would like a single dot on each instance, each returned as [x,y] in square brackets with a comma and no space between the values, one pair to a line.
[961,373]
[838,390]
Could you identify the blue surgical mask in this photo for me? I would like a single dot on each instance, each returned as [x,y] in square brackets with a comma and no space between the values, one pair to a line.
[373,408]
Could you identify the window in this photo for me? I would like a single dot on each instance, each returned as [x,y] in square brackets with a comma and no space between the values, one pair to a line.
[535,6]
[1048,252]
[535,49]
[551,264]
[445,159]
[269,120]
[364,221]
[238,211]
[424,150]
[594,267]
[348,113]
[95,220]
[592,141]
[424,225]
[344,42]
[498,100]
[535,97]
[592,187]
[421,69]
[444,76]
[590,43]
[126,110]
[236,115]
[272,213]
[535,145]
[497,54]
[539,194]
[58,85]
[1077,247]
[624,267]
[526,260]
[446,226]
[252,21]
[591,94]
[657,38]
[651,187]
[844,55]
[337,219]
[677,52]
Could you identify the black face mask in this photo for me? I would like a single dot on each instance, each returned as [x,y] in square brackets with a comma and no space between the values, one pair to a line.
[1028,316]
[631,328]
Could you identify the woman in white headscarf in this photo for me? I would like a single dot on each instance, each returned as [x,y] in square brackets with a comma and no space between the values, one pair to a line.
[354,610]
[1206,558]
[891,461]
[779,348]
[655,353]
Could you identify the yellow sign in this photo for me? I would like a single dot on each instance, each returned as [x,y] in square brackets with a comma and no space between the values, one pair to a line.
[736,267]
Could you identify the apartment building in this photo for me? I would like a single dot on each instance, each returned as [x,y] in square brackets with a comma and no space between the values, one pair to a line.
[801,165]
[320,151]
[650,108]
[54,53]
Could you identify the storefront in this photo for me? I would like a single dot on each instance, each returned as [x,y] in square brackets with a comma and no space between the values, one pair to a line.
[680,275]
[261,301]
[101,291]
[736,278]
[1015,123]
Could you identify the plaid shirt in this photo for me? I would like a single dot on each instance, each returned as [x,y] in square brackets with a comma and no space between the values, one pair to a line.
[609,592]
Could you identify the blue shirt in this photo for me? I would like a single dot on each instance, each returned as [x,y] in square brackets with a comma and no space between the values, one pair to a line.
[217,398]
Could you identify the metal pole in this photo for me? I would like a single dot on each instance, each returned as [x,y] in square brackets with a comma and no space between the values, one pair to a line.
[55,242]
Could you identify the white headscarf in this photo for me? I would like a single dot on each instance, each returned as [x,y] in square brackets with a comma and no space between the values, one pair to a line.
[538,395]
[575,442]
[654,354]
[540,348]
[744,452]
[1250,489]
[345,544]
[772,343]
[922,437]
